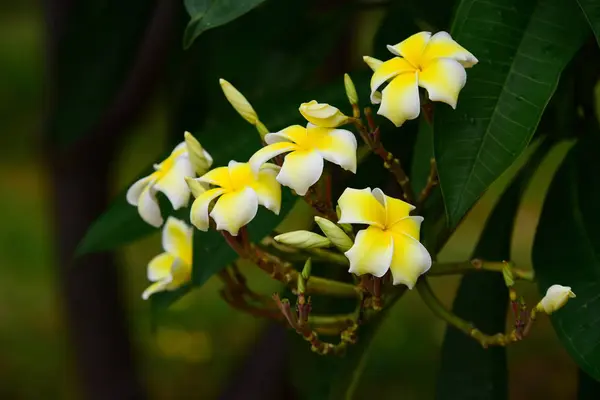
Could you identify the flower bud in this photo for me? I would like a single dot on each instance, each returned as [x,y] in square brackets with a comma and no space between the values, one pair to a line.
[322,114]
[555,298]
[239,102]
[307,268]
[196,187]
[334,233]
[200,159]
[373,63]
[303,240]
[509,279]
[350,90]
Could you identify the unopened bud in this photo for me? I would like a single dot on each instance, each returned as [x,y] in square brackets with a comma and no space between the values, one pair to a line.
[335,234]
[200,159]
[301,284]
[509,279]
[307,269]
[303,240]
[556,297]
[239,102]
[197,188]
[323,114]
[350,90]
[373,63]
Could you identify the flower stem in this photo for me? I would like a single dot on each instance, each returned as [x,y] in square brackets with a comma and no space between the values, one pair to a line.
[451,268]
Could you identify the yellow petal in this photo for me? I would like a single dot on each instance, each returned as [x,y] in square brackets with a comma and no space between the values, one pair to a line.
[199,212]
[154,288]
[177,239]
[412,48]
[400,99]
[173,184]
[411,259]
[148,207]
[181,273]
[218,177]
[386,71]
[323,114]
[442,45]
[266,153]
[160,267]
[359,206]
[135,191]
[234,210]
[371,253]
[395,209]
[335,145]
[410,226]
[301,170]
[267,189]
[294,133]
[443,79]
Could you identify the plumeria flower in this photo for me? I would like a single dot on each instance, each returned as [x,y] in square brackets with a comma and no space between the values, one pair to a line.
[556,297]
[173,268]
[239,192]
[323,114]
[307,148]
[169,178]
[436,63]
[391,242]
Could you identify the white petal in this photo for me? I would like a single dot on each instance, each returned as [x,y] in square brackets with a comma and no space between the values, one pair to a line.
[135,191]
[268,152]
[301,170]
[173,184]
[385,72]
[234,210]
[400,99]
[160,267]
[199,212]
[395,209]
[411,259]
[371,253]
[295,134]
[148,207]
[443,79]
[359,206]
[335,145]
[267,189]
[155,288]
[177,239]
[442,45]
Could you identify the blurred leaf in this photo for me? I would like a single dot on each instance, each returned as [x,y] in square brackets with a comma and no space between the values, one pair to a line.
[468,371]
[523,45]
[588,388]
[567,251]
[207,14]
[94,58]
[591,10]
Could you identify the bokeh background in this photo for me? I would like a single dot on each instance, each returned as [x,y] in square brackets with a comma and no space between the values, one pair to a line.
[198,348]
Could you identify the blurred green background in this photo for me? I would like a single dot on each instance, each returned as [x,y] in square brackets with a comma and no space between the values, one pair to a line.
[199,343]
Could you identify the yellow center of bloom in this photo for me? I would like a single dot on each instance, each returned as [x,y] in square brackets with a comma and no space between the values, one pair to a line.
[164,167]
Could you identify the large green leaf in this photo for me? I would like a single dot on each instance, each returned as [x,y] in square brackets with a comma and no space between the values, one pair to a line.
[207,14]
[522,45]
[567,251]
[94,58]
[591,10]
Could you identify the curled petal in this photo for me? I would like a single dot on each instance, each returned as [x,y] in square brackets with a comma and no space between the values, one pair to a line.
[323,114]
[410,226]
[234,210]
[173,184]
[266,153]
[359,206]
[199,212]
[555,298]
[267,189]
[443,79]
[371,253]
[301,170]
[400,99]
[295,134]
[395,209]
[135,191]
[156,287]
[177,239]
[159,267]
[218,177]
[412,48]
[148,207]
[442,45]
[411,259]
[386,71]
[335,145]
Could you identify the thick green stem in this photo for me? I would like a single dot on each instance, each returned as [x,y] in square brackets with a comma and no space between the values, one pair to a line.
[450,268]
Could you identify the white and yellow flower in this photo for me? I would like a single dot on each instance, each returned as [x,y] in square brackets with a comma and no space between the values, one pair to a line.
[239,192]
[173,268]
[307,148]
[391,242]
[436,63]
[323,114]
[169,178]
[556,297]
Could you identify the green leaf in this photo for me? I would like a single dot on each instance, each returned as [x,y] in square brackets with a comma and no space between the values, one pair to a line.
[207,14]
[591,10]
[94,58]
[522,45]
[567,251]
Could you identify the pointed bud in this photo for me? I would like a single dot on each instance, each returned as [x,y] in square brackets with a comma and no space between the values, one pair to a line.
[239,102]
[350,90]
[373,63]
[509,279]
[200,159]
[323,114]
[303,240]
[334,233]
[197,188]
[307,269]
[556,297]
[301,287]
[262,129]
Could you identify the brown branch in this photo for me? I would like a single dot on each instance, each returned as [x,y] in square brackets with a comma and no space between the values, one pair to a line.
[432,182]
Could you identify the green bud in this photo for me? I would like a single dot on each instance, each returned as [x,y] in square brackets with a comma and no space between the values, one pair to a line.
[200,159]
[196,187]
[507,273]
[350,90]
[334,233]
[303,240]
[307,269]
